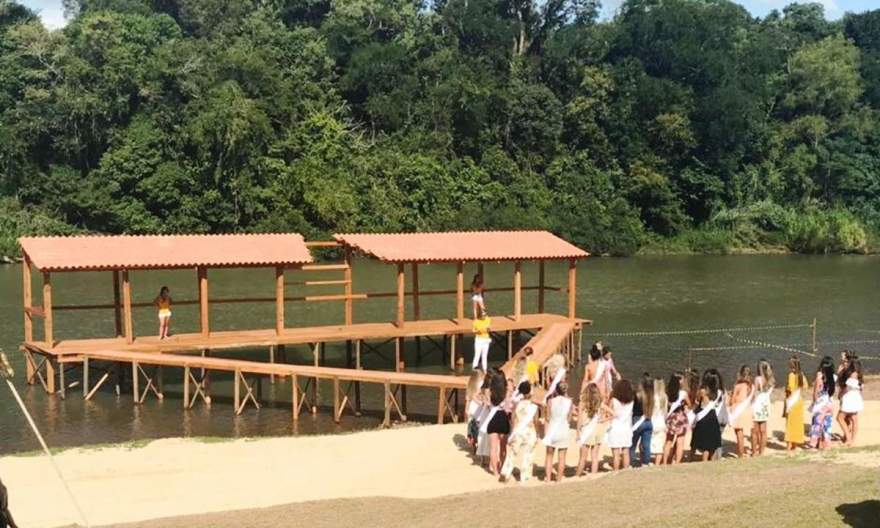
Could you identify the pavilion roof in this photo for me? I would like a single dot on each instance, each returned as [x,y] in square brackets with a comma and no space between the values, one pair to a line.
[466,246]
[95,252]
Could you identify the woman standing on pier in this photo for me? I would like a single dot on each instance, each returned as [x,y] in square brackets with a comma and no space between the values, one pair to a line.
[163,304]
[477,299]
[482,340]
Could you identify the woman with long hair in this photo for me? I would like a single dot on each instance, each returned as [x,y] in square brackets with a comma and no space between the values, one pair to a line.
[482,341]
[822,408]
[676,419]
[706,438]
[557,433]
[764,383]
[477,295]
[620,431]
[658,420]
[163,305]
[738,412]
[851,403]
[593,417]
[643,425]
[794,404]
[523,437]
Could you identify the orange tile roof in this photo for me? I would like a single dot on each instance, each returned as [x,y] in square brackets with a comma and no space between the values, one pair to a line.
[164,251]
[462,246]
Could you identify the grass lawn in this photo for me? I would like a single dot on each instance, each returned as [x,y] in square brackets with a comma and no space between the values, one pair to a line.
[839,488]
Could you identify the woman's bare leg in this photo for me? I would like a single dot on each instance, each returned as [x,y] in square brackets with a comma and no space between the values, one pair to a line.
[548,465]
[583,458]
[740,443]
[853,420]
[667,450]
[560,470]
[679,450]
[763,428]
[625,456]
[594,459]
[844,428]
[494,453]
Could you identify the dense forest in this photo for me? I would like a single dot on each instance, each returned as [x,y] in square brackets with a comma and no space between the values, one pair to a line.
[677,125]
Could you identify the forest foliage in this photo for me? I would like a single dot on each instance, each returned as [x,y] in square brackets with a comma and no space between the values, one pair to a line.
[686,124]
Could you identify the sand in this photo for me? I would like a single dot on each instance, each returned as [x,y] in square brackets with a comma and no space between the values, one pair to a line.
[179,477]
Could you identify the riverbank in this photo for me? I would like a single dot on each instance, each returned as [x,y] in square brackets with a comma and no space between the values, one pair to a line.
[179,477]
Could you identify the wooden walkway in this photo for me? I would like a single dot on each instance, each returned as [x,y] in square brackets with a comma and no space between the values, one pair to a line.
[248,375]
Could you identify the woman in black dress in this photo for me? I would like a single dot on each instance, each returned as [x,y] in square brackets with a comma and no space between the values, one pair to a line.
[706,437]
[499,423]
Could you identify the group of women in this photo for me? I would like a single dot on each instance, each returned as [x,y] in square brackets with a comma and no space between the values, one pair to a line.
[649,417]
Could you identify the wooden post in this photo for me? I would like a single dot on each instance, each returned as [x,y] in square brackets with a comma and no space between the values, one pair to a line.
[415,291]
[28,304]
[117,311]
[541,284]
[186,376]
[47,310]
[279,300]
[517,290]
[441,403]
[294,396]
[349,305]
[572,287]
[204,318]
[126,307]
[401,294]
[815,348]
[397,347]
[236,397]
[135,377]
[459,292]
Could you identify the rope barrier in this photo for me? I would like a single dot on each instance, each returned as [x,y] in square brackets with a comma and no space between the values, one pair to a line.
[771,345]
[700,331]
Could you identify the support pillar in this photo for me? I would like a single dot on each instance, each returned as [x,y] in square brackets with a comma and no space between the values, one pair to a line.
[126,308]
[572,287]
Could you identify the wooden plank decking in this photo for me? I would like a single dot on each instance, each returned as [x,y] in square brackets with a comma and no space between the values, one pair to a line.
[193,342]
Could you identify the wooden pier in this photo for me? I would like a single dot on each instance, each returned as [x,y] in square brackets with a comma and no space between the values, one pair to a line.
[49,358]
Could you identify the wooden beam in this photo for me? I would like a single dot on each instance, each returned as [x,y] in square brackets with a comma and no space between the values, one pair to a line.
[459,292]
[117,308]
[572,287]
[279,300]
[28,304]
[417,313]
[47,309]
[401,294]
[204,315]
[126,307]
[517,290]
[349,306]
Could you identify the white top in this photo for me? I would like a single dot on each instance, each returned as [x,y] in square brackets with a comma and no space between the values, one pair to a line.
[853,384]
[620,431]
[557,432]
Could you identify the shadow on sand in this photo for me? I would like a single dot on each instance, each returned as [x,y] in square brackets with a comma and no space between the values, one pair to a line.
[860,514]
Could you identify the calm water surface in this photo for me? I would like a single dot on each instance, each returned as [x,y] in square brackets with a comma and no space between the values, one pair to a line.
[620,295]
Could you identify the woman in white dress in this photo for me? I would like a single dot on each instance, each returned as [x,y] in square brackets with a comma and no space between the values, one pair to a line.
[620,432]
[851,403]
[557,433]
[658,434]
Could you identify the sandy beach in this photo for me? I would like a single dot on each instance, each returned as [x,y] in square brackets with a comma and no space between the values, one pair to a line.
[176,477]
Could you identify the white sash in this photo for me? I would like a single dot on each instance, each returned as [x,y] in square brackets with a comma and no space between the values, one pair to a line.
[522,424]
[759,397]
[484,425]
[551,432]
[599,371]
[587,430]
[740,407]
[793,399]
[638,423]
[556,379]
[705,411]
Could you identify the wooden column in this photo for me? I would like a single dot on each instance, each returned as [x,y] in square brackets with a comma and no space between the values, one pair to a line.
[279,300]
[117,308]
[47,309]
[459,292]
[541,283]
[415,291]
[517,290]
[349,304]
[28,304]
[204,318]
[401,294]
[572,286]
[126,307]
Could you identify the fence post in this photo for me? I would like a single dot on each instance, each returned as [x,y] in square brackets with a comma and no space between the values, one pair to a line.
[815,349]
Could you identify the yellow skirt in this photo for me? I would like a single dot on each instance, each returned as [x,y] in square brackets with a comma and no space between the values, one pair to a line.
[794,424]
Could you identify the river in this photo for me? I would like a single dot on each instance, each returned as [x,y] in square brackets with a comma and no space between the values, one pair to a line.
[643,294]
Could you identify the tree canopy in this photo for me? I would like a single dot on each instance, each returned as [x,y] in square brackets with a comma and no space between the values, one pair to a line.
[675,119]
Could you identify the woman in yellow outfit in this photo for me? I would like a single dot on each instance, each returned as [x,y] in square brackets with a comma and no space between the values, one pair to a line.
[794,404]
[163,303]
